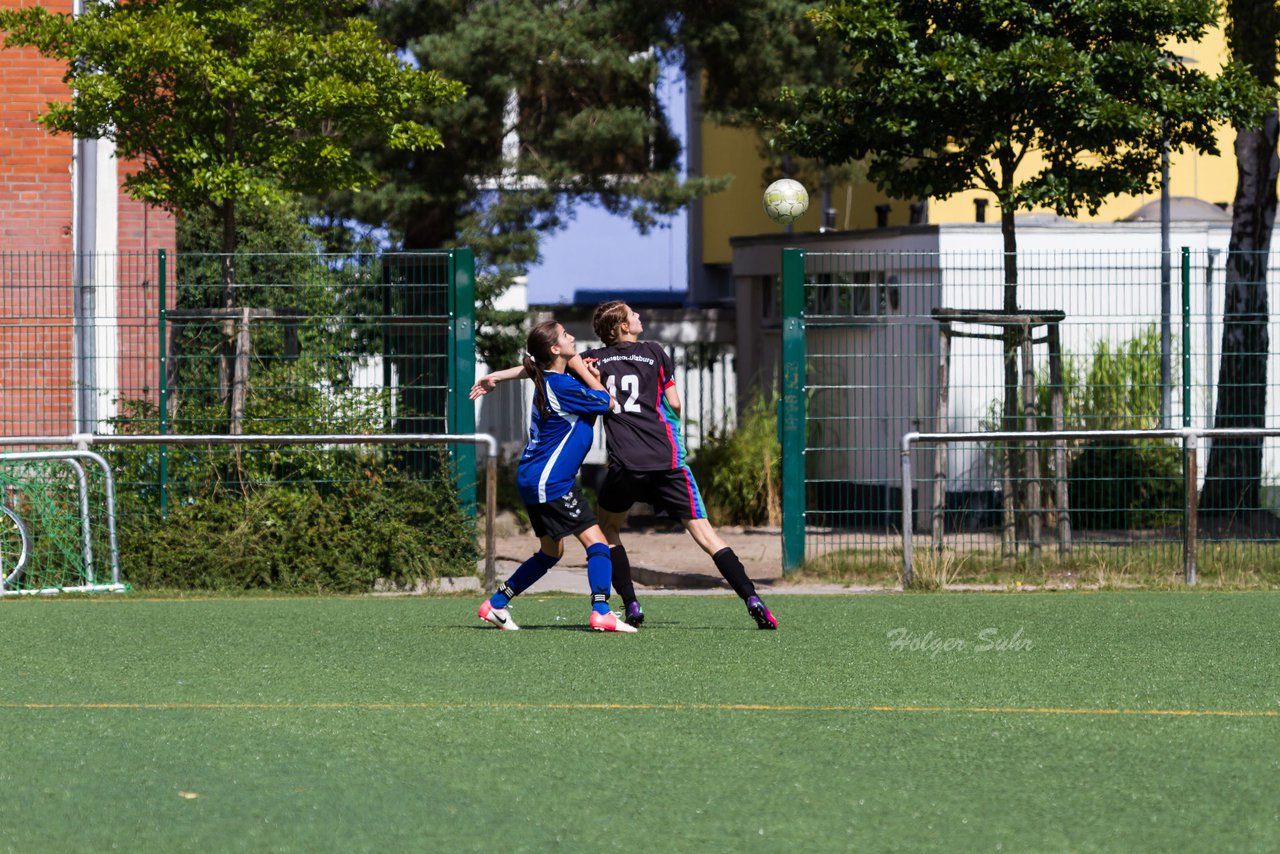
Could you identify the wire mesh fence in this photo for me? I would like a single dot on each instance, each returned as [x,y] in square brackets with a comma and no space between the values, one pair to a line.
[940,341]
[262,344]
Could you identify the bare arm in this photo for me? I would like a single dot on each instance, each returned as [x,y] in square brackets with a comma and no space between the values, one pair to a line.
[673,399]
[589,374]
[489,382]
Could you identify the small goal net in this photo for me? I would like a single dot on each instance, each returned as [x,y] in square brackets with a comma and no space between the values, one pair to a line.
[57,523]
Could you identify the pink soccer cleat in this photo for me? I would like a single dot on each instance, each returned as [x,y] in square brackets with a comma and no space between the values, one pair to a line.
[761,614]
[500,617]
[610,622]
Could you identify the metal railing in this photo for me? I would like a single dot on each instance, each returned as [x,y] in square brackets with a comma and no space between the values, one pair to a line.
[871,342]
[1188,435]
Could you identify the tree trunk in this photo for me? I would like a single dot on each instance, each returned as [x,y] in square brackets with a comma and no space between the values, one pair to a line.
[228,265]
[1233,477]
[233,368]
[1011,468]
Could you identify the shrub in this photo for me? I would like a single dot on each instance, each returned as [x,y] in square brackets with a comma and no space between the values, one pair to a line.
[740,471]
[1112,483]
[298,537]
[1125,485]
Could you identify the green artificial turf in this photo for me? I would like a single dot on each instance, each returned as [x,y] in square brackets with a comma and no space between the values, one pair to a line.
[1094,721]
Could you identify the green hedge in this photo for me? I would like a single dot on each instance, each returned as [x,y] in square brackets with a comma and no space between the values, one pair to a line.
[299,538]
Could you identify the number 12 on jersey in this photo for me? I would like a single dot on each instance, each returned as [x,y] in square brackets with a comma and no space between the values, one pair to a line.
[630,389]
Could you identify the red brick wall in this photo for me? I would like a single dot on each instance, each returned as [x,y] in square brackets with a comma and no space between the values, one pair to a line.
[36,245]
[35,168]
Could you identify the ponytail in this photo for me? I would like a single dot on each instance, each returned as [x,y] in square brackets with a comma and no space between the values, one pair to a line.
[539,384]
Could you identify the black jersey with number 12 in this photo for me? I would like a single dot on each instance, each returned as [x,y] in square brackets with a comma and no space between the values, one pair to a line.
[642,432]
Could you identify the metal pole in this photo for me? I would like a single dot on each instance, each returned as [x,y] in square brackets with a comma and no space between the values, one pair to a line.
[1166,297]
[940,453]
[164,384]
[490,514]
[86,539]
[907,569]
[1186,336]
[1189,522]
[791,425]
[1209,384]
[1189,443]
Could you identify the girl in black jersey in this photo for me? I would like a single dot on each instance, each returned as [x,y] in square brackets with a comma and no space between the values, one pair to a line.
[646,452]
[646,455]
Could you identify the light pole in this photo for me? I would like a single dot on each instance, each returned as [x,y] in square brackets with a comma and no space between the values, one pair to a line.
[1166,292]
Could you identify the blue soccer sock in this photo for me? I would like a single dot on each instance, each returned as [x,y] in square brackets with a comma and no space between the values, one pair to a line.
[599,574]
[523,578]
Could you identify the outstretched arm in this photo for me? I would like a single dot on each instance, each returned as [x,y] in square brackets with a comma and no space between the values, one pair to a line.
[489,382]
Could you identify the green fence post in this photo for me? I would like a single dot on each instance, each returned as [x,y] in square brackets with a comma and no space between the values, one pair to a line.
[1186,336]
[792,426]
[161,260]
[462,368]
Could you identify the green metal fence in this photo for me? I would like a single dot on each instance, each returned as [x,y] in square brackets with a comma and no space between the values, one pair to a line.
[307,343]
[875,345]
[319,344]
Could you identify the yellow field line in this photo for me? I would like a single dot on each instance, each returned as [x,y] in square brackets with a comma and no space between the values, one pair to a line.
[660,707]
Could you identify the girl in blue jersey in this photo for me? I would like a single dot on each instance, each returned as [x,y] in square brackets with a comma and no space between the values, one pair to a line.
[561,425]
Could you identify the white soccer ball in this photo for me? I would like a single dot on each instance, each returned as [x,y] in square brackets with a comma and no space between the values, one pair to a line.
[785,200]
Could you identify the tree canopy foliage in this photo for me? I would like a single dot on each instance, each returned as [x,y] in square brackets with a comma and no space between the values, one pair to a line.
[229,101]
[561,110]
[1055,105]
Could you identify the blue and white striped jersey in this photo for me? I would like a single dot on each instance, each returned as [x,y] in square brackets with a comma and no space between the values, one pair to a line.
[558,441]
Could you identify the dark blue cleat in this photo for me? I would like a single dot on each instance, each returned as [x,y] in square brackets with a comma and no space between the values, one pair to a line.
[635,614]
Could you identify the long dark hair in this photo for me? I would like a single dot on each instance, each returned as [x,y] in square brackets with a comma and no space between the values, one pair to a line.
[538,358]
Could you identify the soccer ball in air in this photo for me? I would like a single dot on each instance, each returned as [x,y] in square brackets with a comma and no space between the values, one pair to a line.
[785,200]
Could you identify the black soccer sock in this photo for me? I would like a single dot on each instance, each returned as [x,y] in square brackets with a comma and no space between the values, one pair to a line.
[622,574]
[731,568]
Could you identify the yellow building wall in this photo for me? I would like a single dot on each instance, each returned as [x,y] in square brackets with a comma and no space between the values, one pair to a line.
[738,211]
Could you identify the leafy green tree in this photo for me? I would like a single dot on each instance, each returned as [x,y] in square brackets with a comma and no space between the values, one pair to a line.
[1233,477]
[560,111]
[1056,105]
[1042,105]
[228,102]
